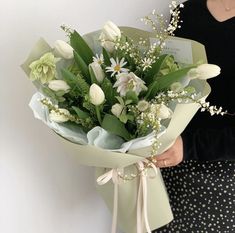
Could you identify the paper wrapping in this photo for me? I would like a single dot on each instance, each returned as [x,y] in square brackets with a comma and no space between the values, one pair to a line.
[159,211]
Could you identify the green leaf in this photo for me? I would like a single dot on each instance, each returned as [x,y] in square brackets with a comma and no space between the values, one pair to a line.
[165,81]
[81,114]
[107,88]
[48,92]
[153,89]
[107,61]
[131,95]
[113,125]
[60,93]
[90,107]
[81,47]
[78,84]
[92,75]
[123,118]
[150,75]
[82,66]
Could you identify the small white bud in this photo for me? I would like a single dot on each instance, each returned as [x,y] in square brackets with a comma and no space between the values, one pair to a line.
[63,49]
[96,95]
[58,85]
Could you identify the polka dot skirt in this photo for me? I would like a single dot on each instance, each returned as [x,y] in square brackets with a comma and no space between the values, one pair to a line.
[202,197]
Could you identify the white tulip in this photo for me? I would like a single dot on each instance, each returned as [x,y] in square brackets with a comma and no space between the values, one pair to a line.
[142,105]
[96,94]
[204,71]
[58,85]
[60,116]
[164,112]
[63,49]
[108,45]
[98,71]
[117,109]
[110,33]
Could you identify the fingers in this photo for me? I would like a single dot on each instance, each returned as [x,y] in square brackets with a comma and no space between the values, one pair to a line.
[163,163]
[172,157]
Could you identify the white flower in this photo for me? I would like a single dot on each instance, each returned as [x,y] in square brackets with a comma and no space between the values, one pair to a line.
[143,105]
[146,63]
[110,33]
[108,45]
[176,87]
[58,85]
[63,49]
[204,71]
[117,109]
[98,71]
[129,82]
[164,112]
[117,67]
[60,116]
[96,94]
[99,59]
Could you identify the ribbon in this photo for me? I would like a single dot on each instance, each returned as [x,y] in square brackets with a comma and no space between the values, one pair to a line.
[142,204]
[105,178]
[142,197]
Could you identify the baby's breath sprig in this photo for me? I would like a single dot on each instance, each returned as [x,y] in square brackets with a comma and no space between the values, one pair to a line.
[187,97]
[68,30]
[128,48]
[87,123]
[175,17]
[162,30]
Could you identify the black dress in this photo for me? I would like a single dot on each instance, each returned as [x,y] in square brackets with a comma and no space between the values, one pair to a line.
[202,188]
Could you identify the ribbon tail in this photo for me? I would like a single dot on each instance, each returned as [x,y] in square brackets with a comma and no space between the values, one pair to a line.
[145,204]
[139,209]
[115,208]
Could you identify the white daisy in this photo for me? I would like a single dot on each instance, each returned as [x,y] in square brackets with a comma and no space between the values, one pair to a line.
[117,67]
[146,63]
[99,59]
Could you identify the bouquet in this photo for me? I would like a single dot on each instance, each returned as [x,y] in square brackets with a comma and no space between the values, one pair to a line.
[117,97]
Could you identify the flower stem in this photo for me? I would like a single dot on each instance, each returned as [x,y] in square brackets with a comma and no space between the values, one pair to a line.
[97,108]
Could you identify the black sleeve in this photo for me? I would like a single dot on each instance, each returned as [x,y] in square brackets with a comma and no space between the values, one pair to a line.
[208,144]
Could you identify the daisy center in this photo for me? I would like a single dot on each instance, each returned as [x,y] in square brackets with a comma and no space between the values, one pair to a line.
[117,68]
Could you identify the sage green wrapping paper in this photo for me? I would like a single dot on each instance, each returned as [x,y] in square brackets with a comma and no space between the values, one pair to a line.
[159,211]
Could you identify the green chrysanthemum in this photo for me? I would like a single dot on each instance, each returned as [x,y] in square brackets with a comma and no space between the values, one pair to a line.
[43,69]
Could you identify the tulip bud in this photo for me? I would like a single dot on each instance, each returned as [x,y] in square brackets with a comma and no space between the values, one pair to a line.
[164,112]
[108,45]
[204,71]
[96,94]
[60,116]
[117,109]
[111,31]
[58,85]
[143,105]
[98,71]
[63,49]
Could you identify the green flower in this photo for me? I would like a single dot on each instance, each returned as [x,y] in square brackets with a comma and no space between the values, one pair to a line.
[43,69]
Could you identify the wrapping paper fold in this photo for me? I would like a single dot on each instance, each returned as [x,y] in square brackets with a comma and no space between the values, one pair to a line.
[159,211]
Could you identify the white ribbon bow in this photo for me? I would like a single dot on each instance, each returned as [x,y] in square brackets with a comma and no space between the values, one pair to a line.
[142,204]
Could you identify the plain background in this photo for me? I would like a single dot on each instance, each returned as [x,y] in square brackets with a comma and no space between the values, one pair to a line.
[43,189]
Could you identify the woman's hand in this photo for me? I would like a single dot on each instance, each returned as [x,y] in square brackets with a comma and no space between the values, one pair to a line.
[172,157]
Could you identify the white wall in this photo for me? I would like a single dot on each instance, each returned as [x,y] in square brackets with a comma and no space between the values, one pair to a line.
[43,189]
